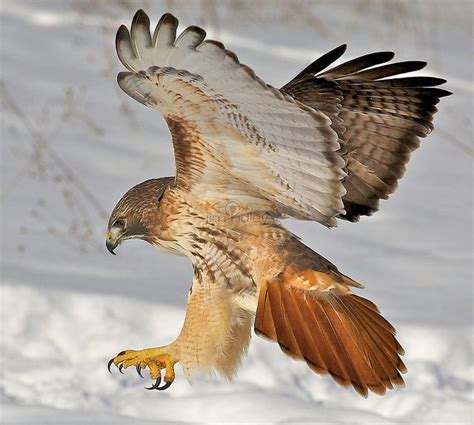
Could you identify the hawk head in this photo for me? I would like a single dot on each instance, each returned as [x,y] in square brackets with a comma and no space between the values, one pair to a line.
[136,212]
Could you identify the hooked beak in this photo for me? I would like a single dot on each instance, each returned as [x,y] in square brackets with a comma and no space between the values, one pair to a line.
[112,241]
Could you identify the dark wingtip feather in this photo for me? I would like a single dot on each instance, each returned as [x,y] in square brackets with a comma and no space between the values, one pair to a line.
[122,34]
[416,82]
[405,66]
[140,17]
[405,82]
[321,63]
[325,60]
[386,71]
[168,18]
[434,81]
[358,64]
[416,65]
[122,75]
[442,92]
[122,45]
[384,56]
[198,30]
[342,48]
[355,211]
[428,81]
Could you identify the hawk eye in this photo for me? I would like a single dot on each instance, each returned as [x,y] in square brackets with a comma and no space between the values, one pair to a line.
[119,223]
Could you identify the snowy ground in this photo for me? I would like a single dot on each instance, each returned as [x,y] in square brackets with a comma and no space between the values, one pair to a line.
[72,143]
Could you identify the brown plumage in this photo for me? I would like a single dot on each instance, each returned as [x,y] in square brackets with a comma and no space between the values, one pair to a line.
[329,144]
[378,122]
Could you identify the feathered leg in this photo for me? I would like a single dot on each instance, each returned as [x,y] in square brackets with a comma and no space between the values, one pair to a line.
[215,335]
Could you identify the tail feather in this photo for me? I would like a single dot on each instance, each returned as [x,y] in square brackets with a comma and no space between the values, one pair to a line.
[340,334]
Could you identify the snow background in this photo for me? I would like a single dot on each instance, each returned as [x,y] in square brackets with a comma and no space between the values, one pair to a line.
[72,143]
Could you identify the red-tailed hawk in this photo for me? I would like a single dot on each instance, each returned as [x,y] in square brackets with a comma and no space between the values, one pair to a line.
[326,146]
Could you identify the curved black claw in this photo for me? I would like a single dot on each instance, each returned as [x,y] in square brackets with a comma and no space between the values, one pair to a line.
[111,361]
[120,368]
[139,370]
[164,387]
[155,385]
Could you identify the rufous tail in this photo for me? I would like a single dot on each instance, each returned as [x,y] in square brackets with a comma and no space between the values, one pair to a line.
[340,334]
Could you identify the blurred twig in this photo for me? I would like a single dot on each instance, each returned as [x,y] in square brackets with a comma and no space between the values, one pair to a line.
[43,145]
[456,142]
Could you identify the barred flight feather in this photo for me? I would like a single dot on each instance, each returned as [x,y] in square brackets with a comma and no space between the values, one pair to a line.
[378,121]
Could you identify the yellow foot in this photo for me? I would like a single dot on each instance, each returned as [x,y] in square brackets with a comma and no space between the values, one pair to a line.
[154,359]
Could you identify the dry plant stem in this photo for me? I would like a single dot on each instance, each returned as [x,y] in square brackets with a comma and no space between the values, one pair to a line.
[42,144]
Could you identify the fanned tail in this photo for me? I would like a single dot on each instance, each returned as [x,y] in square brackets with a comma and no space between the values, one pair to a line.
[342,335]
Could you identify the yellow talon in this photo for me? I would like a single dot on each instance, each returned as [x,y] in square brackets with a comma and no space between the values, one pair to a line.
[155,359]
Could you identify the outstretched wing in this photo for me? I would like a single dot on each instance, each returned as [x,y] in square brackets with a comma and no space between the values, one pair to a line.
[379,121]
[234,136]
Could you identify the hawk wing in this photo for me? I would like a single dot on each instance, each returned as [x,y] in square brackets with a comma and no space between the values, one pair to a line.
[379,121]
[233,135]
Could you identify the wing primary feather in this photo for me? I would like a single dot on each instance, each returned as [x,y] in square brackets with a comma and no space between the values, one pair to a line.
[357,64]
[124,49]
[140,33]
[191,37]
[165,31]
[321,63]
[422,82]
[386,71]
